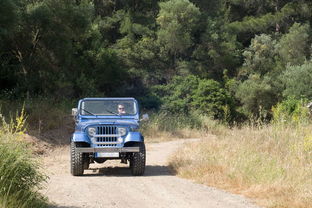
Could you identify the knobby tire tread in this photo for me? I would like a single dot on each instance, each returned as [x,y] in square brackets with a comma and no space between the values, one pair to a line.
[138,160]
[77,166]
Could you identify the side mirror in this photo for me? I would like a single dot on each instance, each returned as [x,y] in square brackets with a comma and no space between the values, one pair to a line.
[74,111]
[145,117]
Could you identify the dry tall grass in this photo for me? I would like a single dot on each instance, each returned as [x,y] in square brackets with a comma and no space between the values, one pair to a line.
[165,127]
[272,164]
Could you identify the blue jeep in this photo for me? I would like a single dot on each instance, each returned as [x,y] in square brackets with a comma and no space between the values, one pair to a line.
[107,128]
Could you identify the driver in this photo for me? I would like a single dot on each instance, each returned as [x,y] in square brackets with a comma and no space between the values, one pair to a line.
[121,109]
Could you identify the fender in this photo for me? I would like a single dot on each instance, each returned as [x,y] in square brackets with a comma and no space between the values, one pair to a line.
[80,137]
[134,137]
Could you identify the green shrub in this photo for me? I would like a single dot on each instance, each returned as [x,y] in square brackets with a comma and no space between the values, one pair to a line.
[211,99]
[149,101]
[184,95]
[177,96]
[290,111]
[257,96]
[20,179]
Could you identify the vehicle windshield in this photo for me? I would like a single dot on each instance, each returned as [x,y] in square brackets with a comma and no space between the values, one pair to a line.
[108,107]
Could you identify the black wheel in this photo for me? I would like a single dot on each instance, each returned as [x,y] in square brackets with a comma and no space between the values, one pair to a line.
[137,161]
[76,160]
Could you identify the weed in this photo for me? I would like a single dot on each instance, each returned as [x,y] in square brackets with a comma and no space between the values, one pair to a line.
[20,179]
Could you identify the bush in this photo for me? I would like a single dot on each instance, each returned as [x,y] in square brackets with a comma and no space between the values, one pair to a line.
[211,99]
[189,94]
[290,111]
[20,179]
[257,96]
[149,101]
[176,96]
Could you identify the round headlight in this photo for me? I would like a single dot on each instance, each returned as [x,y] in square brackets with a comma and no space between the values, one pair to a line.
[122,131]
[91,131]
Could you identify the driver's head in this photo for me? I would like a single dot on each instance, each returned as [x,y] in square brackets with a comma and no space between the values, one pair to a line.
[121,109]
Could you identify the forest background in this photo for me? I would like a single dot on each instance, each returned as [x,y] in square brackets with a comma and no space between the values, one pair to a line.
[229,59]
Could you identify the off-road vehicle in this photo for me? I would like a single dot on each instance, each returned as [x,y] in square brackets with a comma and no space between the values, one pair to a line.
[107,128]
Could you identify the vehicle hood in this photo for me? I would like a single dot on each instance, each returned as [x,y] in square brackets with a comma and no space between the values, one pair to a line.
[119,122]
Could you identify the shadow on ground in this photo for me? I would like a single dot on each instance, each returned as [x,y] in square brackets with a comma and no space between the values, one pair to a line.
[150,170]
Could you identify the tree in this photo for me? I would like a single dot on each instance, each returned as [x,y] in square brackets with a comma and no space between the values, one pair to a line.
[264,16]
[260,55]
[294,46]
[218,50]
[187,94]
[177,21]
[257,96]
[177,95]
[212,99]
[9,17]
[298,81]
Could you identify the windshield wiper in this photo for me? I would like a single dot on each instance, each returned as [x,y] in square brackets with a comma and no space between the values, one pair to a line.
[88,112]
[116,114]
[104,109]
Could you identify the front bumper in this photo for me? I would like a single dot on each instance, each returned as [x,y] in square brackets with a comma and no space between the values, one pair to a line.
[113,149]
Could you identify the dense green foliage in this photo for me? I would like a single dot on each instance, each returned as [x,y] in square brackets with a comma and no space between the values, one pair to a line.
[221,58]
[298,81]
[190,94]
[292,111]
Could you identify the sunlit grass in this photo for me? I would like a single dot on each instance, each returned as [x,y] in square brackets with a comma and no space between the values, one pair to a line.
[271,163]
[20,179]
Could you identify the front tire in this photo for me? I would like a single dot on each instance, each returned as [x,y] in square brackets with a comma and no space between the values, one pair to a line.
[76,160]
[138,160]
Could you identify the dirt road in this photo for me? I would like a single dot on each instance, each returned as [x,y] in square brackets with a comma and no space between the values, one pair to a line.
[111,184]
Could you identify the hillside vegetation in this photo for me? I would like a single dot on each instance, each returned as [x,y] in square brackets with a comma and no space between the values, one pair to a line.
[231,60]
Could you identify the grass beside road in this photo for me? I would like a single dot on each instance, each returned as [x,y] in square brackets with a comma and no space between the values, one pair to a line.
[165,127]
[272,164]
[20,178]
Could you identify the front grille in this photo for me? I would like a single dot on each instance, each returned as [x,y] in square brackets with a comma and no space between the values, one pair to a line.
[106,130]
